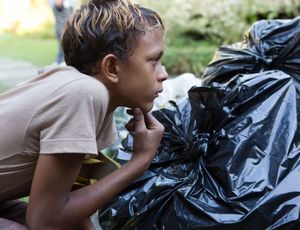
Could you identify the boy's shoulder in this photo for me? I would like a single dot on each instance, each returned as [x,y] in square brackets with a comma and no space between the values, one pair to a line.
[64,85]
[68,80]
[67,86]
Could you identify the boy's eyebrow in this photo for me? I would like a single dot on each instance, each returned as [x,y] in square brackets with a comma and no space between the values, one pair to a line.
[156,54]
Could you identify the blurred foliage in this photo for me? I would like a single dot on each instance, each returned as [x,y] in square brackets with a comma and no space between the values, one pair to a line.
[193,28]
[220,21]
[187,55]
[23,16]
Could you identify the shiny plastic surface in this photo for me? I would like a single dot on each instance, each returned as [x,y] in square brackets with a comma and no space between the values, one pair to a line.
[230,155]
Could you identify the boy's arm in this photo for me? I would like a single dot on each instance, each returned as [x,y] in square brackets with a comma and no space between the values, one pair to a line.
[51,203]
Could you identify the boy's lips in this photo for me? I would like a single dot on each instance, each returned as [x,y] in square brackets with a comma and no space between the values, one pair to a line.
[157,93]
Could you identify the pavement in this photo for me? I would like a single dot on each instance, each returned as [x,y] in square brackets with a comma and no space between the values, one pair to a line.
[13,72]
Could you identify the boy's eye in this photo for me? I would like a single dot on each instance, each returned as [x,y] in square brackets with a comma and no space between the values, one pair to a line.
[156,59]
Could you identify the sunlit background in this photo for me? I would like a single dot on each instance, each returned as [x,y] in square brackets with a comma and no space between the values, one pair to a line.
[22,16]
[194,28]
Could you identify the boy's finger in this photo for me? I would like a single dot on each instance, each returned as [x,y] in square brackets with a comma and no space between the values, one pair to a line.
[138,120]
[130,125]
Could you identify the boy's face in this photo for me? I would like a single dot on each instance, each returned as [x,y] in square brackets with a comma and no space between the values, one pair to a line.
[142,74]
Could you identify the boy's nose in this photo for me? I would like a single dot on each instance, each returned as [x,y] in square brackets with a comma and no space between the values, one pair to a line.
[163,75]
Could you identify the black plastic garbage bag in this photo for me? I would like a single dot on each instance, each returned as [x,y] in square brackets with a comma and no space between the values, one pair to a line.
[229,159]
[230,155]
[269,45]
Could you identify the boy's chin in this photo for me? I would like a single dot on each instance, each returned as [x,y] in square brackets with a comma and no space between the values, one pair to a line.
[147,108]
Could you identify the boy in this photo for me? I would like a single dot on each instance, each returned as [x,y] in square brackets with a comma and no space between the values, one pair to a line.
[52,123]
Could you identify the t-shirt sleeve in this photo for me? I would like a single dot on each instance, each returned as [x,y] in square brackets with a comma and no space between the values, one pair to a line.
[70,117]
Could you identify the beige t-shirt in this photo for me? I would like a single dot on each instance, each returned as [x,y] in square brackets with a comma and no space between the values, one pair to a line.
[60,111]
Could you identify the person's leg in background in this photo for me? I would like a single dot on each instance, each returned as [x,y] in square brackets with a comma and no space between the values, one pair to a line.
[61,16]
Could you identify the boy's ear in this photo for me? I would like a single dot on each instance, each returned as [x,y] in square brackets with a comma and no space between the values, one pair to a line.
[109,68]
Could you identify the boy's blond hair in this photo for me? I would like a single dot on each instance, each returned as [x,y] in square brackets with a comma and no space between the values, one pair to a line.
[100,27]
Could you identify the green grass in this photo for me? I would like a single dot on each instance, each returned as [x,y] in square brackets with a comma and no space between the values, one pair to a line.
[35,49]
[2,87]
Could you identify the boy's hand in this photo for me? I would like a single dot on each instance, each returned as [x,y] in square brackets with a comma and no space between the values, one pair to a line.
[147,134]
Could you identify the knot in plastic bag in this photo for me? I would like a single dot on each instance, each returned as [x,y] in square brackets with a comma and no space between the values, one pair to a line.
[198,146]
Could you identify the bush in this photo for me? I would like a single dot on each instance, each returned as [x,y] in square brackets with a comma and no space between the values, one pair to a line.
[220,22]
[187,55]
[194,28]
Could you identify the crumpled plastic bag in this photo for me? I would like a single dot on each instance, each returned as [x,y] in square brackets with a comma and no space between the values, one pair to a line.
[268,45]
[229,158]
[230,155]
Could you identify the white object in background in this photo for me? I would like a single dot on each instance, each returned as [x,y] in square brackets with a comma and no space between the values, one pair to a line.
[123,155]
[176,88]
